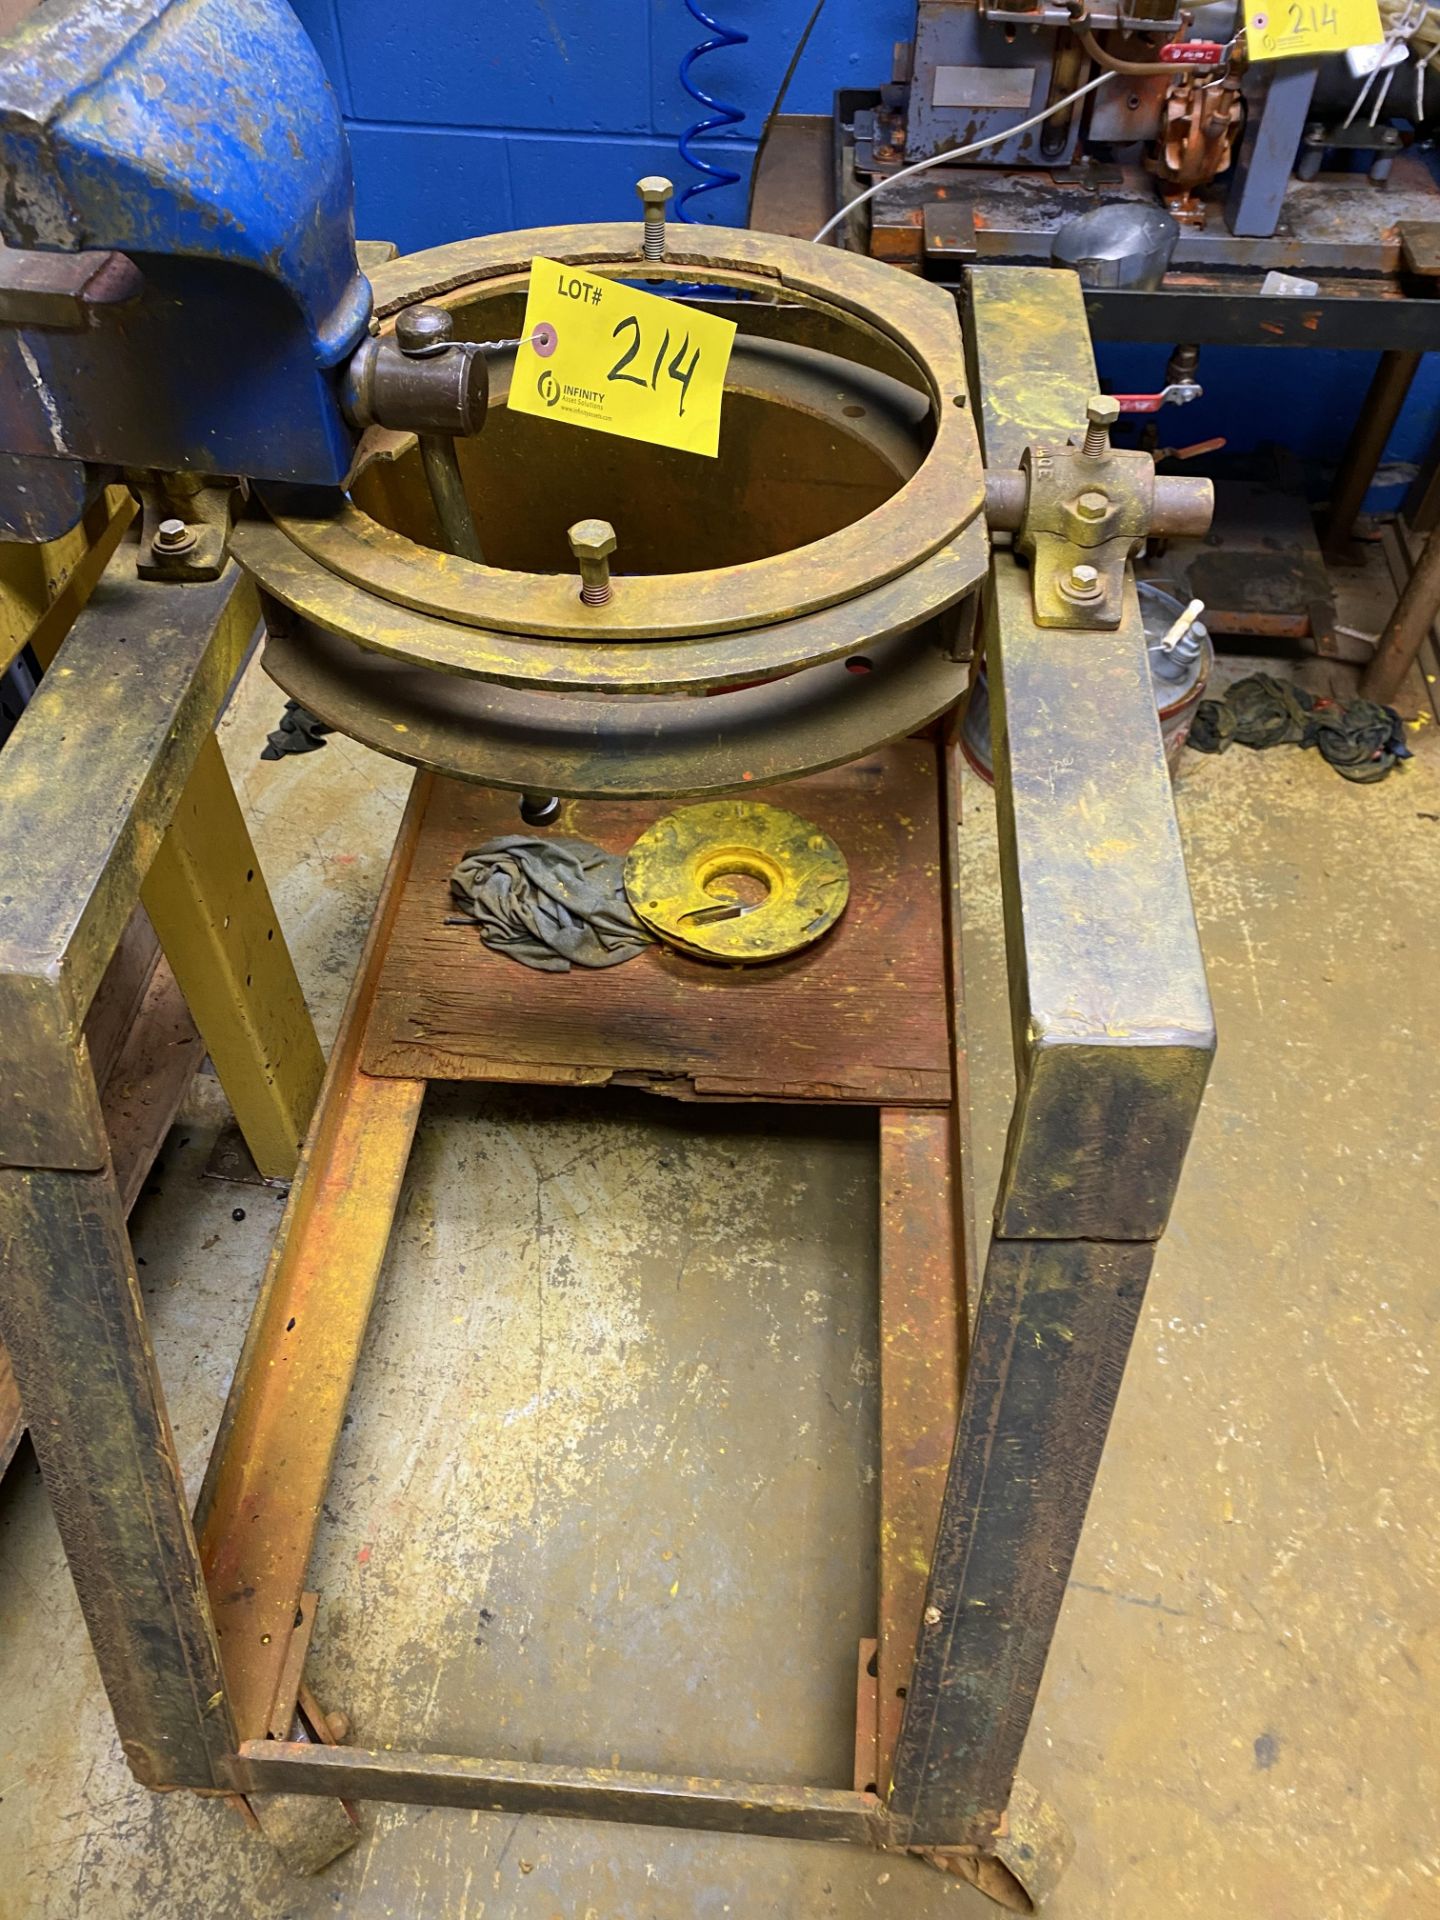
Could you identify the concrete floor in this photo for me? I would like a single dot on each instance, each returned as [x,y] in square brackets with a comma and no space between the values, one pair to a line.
[608,1490]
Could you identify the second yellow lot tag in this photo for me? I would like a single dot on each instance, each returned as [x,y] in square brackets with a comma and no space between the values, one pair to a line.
[599,354]
[1277,29]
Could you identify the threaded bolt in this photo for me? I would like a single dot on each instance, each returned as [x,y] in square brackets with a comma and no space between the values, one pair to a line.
[1093,505]
[423,331]
[1083,580]
[592,542]
[173,536]
[1100,416]
[654,190]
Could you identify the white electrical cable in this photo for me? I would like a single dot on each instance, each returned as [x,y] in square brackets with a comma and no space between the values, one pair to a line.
[962,153]
[1401,27]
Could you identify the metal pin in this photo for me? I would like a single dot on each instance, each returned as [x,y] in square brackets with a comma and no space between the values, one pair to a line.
[421,332]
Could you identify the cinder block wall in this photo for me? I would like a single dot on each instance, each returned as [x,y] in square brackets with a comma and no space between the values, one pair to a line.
[467,116]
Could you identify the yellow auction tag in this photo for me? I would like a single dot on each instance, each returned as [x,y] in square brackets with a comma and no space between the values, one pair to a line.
[600,354]
[1276,29]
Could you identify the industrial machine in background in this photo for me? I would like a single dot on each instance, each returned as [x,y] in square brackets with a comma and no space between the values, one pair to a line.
[520,608]
[1037,114]
[1204,201]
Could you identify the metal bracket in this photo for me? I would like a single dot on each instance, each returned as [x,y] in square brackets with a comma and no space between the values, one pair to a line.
[1086,513]
[185,526]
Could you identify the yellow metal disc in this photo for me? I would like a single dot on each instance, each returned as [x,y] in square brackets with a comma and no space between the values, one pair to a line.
[737,880]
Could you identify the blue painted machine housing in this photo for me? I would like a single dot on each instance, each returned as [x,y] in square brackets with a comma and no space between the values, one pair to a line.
[201,139]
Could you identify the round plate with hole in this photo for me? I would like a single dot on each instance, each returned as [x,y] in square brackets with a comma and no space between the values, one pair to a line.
[737,880]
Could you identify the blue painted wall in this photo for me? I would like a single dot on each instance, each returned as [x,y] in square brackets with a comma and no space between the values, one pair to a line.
[470,117]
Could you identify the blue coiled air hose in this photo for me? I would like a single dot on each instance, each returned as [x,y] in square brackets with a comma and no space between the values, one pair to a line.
[721,114]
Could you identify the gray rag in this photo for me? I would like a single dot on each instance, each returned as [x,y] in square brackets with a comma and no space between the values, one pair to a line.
[549,903]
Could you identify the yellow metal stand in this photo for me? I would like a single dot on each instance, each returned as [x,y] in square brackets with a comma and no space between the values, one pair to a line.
[211,907]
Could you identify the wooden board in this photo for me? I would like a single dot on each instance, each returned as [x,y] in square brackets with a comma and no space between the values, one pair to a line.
[862,1016]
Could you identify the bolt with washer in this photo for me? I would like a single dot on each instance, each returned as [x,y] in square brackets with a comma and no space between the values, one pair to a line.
[173,537]
[654,190]
[1100,416]
[592,542]
[1082,583]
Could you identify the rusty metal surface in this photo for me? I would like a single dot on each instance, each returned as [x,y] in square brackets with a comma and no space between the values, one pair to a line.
[330,606]
[814,439]
[859,1016]
[261,1499]
[1407,627]
[12,1420]
[1031,1848]
[144,1049]
[1365,448]
[72,1321]
[88,782]
[1055,1323]
[1094,508]
[1339,226]
[842,518]
[1113,1037]
[596,1793]
[1109,1005]
[285,1704]
[625,747]
[922,1339]
[944,495]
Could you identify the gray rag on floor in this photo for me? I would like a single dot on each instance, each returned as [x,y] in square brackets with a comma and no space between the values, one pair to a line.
[550,904]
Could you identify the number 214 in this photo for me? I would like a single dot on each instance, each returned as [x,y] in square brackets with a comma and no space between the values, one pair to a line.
[680,371]
[1313,19]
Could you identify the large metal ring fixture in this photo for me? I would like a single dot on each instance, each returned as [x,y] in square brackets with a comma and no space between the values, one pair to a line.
[784,607]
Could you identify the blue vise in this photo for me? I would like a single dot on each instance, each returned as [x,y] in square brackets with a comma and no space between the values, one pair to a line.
[179,287]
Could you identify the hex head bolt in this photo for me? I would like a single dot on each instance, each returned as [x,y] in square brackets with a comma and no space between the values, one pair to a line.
[173,537]
[1100,416]
[654,190]
[592,542]
[1082,583]
[1093,505]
